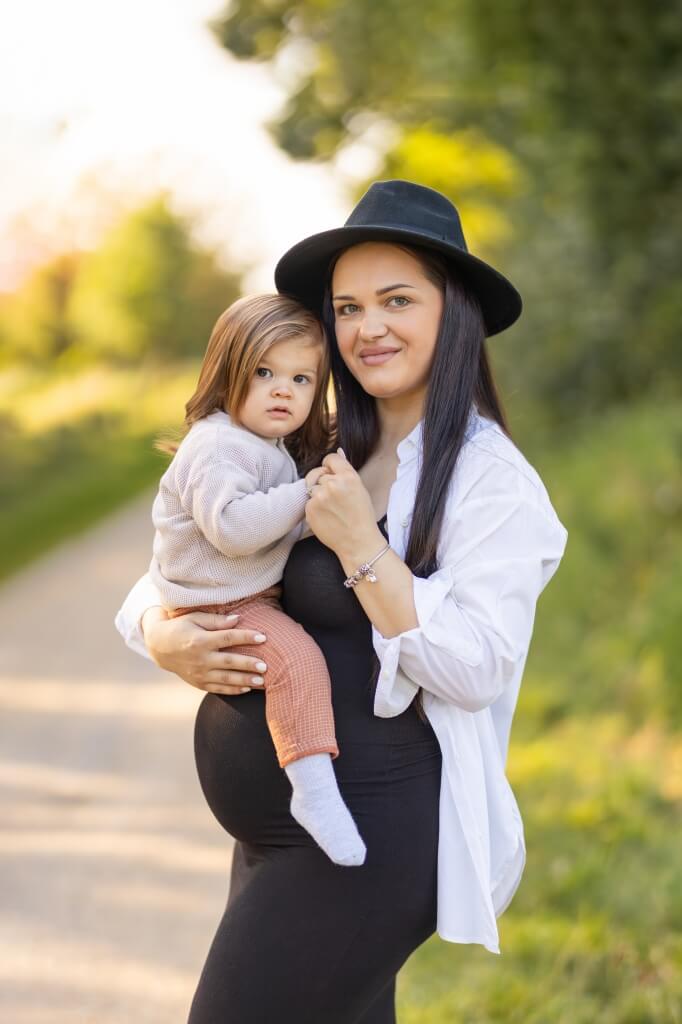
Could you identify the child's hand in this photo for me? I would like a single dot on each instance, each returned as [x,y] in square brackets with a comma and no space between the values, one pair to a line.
[314,475]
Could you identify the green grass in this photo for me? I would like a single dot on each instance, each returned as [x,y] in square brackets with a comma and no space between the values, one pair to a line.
[594,932]
[73,448]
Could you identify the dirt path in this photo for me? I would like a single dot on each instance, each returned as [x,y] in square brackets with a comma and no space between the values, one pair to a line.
[113,871]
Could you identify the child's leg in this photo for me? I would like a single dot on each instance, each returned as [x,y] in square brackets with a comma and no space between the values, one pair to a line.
[298,710]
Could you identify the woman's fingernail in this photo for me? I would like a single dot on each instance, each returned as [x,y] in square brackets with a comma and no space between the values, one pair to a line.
[341,452]
[257,680]
[261,666]
[245,689]
[259,637]
[231,618]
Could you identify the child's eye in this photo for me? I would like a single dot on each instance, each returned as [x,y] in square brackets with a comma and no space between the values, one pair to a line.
[302,377]
[262,371]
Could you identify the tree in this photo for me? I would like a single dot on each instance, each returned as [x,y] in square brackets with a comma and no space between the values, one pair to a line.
[148,291]
[33,325]
[582,99]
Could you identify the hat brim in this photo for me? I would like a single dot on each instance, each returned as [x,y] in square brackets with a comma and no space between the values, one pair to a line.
[302,270]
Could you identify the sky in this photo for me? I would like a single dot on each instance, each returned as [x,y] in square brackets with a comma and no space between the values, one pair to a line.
[104,103]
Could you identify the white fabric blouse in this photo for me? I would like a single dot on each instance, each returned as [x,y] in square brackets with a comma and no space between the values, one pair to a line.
[500,544]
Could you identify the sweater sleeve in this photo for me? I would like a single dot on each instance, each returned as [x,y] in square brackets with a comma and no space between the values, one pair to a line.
[231,511]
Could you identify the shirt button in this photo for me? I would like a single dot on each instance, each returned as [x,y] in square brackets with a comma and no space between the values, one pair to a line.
[403,522]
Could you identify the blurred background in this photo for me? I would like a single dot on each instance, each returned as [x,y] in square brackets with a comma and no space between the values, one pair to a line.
[157,159]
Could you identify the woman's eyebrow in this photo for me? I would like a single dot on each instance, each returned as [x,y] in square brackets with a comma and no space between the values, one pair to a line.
[379,291]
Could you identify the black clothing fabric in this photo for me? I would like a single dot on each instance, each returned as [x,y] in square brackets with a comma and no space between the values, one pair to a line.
[302,939]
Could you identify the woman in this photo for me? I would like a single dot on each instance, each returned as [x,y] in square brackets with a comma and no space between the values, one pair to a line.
[427,467]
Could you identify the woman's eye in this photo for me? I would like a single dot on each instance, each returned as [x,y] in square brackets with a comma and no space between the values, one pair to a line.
[400,298]
[262,371]
[342,309]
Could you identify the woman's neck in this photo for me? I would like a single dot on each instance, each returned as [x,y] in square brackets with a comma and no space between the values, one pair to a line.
[398,417]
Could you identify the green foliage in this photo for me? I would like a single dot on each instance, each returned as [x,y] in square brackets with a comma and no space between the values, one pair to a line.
[607,630]
[146,291]
[75,446]
[33,324]
[593,932]
[585,103]
[474,172]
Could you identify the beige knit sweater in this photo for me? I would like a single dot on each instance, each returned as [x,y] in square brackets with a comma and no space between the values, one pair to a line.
[228,511]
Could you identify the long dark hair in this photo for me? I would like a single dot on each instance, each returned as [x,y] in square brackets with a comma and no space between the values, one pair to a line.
[460,376]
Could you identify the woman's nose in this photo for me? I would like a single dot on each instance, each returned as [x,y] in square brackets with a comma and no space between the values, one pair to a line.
[372,326]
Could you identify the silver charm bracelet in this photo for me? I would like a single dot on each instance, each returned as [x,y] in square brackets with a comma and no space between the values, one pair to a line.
[365,571]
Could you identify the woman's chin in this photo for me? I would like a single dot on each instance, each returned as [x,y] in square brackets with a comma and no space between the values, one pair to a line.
[385,388]
[381,385]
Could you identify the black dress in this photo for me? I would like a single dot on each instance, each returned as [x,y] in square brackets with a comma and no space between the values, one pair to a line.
[302,940]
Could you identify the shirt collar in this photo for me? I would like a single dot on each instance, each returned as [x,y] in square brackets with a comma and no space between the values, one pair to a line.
[411,445]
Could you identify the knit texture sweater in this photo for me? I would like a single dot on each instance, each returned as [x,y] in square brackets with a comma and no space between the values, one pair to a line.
[228,511]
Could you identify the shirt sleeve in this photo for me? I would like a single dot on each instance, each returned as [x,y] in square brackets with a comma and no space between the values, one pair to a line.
[499,548]
[234,515]
[143,595]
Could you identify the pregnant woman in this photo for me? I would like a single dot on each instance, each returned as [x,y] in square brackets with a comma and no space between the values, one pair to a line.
[431,540]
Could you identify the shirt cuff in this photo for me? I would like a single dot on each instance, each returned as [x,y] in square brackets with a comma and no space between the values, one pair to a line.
[395,692]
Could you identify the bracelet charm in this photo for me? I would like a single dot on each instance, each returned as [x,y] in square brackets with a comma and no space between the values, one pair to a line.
[365,571]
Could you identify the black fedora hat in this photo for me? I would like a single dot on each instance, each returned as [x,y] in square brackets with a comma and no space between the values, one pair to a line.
[399,211]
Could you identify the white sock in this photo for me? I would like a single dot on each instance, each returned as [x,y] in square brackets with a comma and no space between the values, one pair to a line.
[318,806]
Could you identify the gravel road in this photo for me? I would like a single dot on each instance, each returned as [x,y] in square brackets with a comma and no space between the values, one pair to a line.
[114,872]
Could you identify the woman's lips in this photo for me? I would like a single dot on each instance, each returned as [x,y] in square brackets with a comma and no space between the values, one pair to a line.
[377,358]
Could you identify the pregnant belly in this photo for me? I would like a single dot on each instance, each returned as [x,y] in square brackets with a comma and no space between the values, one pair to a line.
[244,786]
[249,794]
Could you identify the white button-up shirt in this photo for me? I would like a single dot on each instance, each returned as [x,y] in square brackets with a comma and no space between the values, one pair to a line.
[500,544]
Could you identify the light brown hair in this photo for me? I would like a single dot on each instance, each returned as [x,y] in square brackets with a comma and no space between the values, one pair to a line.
[239,340]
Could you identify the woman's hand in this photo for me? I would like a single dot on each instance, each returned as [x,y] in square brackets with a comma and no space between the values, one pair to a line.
[340,512]
[190,646]
[313,475]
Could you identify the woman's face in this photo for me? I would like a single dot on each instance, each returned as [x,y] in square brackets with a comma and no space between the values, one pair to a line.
[387,315]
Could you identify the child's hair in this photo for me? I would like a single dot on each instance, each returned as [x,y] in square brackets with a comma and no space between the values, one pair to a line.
[239,340]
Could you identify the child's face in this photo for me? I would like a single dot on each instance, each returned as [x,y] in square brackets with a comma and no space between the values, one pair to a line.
[283,387]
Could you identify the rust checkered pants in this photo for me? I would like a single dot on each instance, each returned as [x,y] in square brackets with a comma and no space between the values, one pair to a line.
[298,704]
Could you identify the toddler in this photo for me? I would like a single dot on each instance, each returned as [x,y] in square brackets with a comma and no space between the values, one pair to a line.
[229,509]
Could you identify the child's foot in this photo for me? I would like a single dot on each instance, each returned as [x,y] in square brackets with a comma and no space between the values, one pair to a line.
[317,805]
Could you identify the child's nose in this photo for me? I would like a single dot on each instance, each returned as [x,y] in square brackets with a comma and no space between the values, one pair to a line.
[281,388]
